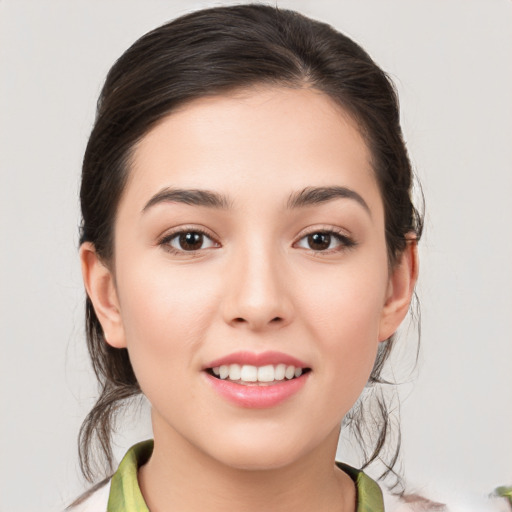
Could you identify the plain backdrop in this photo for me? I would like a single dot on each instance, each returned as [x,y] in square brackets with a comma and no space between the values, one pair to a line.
[452,63]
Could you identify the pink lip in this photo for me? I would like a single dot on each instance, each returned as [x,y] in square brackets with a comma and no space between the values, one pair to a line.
[257,396]
[256,359]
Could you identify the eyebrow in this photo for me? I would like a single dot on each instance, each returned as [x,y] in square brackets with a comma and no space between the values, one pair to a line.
[310,196]
[195,197]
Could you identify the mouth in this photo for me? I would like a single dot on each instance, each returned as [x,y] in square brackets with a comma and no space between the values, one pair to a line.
[257,380]
[249,375]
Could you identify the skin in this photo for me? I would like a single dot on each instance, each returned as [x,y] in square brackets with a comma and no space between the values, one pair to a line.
[255,284]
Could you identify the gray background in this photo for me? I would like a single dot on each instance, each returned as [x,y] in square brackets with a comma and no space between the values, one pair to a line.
[451,60]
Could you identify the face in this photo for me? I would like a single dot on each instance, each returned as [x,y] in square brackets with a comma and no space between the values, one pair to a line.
[250,249]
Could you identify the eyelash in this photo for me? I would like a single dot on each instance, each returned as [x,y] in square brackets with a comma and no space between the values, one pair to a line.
[344,241]
[165,242]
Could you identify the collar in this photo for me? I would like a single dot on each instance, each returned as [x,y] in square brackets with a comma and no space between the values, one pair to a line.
[369,495]
[125,492]
[125,495]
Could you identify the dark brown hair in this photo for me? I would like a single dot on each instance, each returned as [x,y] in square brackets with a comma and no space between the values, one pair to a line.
[210,52]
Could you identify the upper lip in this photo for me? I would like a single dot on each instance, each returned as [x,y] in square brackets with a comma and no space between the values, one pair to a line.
[261,359]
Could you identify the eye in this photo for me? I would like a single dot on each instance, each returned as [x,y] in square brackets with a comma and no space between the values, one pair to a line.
[325,241]
[188,241]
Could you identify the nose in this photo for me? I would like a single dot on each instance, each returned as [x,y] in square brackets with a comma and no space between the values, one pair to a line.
[258,293]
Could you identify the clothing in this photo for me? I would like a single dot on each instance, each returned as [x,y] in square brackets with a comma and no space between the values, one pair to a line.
[122,493]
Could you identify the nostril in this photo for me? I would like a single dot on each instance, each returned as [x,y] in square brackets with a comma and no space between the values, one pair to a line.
[240,320]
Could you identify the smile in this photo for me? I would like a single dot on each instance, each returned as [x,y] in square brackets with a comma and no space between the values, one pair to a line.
[257,381]
[246,374]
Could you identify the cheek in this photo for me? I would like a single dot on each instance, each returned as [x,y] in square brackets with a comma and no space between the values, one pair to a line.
[348,299]
[165,309]
[344,317]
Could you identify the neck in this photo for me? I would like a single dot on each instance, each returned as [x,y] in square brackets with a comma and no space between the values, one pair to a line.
[180,477]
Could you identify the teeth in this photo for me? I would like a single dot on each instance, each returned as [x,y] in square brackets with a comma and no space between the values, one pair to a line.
[279,372]
[235,371]
[249,373]
[289,372]
[266,373]
[223,371]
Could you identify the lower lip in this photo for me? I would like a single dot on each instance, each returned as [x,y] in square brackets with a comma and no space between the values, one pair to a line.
[257,396]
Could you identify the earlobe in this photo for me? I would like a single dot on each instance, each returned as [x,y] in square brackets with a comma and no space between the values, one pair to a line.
[400,290]
[100,286]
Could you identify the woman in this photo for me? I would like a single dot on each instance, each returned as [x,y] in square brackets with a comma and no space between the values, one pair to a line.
[248,249]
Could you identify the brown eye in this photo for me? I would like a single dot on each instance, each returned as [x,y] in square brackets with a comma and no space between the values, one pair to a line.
[190,241]
[319,241]
[325,241]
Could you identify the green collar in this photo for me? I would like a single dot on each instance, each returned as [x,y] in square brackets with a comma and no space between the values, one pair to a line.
[369,495]
[125,495]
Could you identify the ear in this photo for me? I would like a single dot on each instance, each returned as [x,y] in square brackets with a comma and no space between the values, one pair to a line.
[401,284]
[100,286]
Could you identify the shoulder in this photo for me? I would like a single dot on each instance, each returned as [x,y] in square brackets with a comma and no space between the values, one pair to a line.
[94,500]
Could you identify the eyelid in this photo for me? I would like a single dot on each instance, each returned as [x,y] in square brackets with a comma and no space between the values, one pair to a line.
[346,240]
[165,239]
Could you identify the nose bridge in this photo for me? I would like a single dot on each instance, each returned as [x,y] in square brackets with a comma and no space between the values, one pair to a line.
[257,294]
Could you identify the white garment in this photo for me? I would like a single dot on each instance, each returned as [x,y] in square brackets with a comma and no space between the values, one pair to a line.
[466,503]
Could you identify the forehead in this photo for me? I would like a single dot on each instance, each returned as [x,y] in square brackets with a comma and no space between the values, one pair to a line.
[265,140]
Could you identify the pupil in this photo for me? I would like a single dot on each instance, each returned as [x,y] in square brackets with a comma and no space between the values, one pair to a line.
[319,241]
[191,241]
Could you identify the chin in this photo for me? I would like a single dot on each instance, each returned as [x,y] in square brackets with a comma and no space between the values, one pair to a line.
[254,460]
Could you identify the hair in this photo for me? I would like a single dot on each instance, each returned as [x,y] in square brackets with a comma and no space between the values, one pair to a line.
[211,52]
